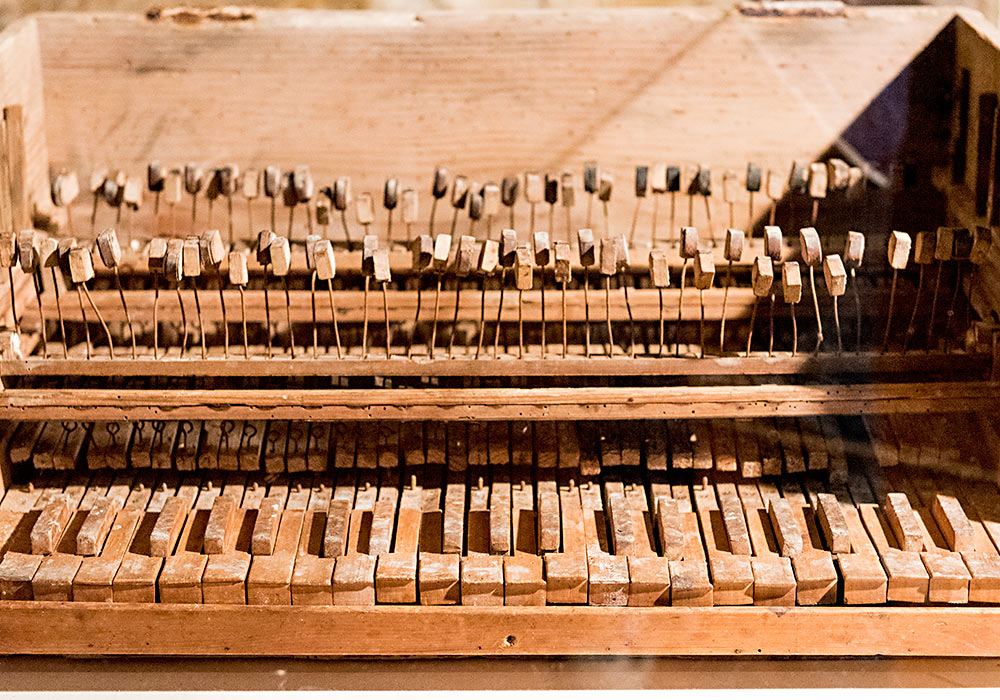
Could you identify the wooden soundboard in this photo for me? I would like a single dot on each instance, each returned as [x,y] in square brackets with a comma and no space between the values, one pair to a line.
[451,334]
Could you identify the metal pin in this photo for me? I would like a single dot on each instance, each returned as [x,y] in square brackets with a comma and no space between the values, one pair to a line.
[704,275]
[475,209]
[228,178]
[899,253]
[439,188]
[459,198]
[689,249]
[383,275]
[812,256]
[772,249]
[111,255]
[250,186]
[364,208]
[609,265]
[775,191]
[193,178]
[673,187]
[28,242]
[791,284]
[509,187]
[81,266]
[191,260]
[762,282]
[489,260]
[961,250]
[410,212]
[590,180]
[97,178]
[65,189]
[604,191]
[465,262]
[523,281]
[213,251]
[534,192]
[562,273]
[155,181]
[817,185]
[730,185]
[588,254]
[311,241]
[390,200]
[508,255]
[422,249]
[326,269]
[568,196]
[341,200]
[173,191]
[836,284]
[442,248]
[798,184]
[659,275]
[272,188]
[8,259]
[281,262]
[542,250]
[551,198]
[942,253]
[733,252]
[641,186]
[491,205]
[173,268]
[239,276]
[854,253]
[49,257]
[753,183]
[264,241]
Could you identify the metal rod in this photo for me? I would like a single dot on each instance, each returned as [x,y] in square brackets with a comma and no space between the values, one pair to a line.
[607,314]
[312,295]
[454,318]
[541,274]
[911,326]
[951,306]
[434,326]
[520,323]
[631,321]
[156,325]
[128,317]
[347,231]
[13,301]
[482,317]
[819,319]
[86,325]
[934,298]
[662,326]
[857,310]
[385,312]
[770,326]
[795,332]
[62,325]
[416,317]
[892,303]
[229,209]
[701,299]
[836,322]
[635,217]
[288,315]
[565,336]
[267,312]
[725,299]
[243,315]
[364,325]
[656,212]
[496,330]
[586,309]
[184,324]
[225,320]
[107,331]
[680,310]
[201,325]
[333,312]
[41,314]
[430,223]
[753,320]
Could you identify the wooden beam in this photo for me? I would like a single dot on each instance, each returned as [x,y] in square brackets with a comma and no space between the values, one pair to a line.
[92,629]
[498,404]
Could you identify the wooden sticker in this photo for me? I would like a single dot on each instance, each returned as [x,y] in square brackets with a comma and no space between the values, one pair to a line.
[835,275]
[791,282]
[762,276]
[899,249]
[733,250]
[810,248]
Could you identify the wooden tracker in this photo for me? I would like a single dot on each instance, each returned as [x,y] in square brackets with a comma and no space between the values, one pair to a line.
[499,404]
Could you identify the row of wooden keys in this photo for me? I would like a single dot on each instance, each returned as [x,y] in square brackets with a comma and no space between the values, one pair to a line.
[296,188]
[510,536]
[750,447]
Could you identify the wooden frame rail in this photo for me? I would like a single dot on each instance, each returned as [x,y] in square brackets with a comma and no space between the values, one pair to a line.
[93,629]
[499,404]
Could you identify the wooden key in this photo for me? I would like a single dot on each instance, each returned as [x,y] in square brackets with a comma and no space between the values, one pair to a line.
[270,577]
[786,530]
[94,531]
[953,522]
[904,523]
[52,520]
[834,524]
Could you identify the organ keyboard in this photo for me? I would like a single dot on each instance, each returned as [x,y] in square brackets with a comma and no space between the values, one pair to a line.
[249,407]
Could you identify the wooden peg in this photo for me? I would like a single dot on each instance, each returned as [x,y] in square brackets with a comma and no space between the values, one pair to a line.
[326,269]
[489,261]
[659,275]
[791,286]
[762,283]
[899,254]
[732,252]
[812,256]
[239,276]
[390,200]
[836,284]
